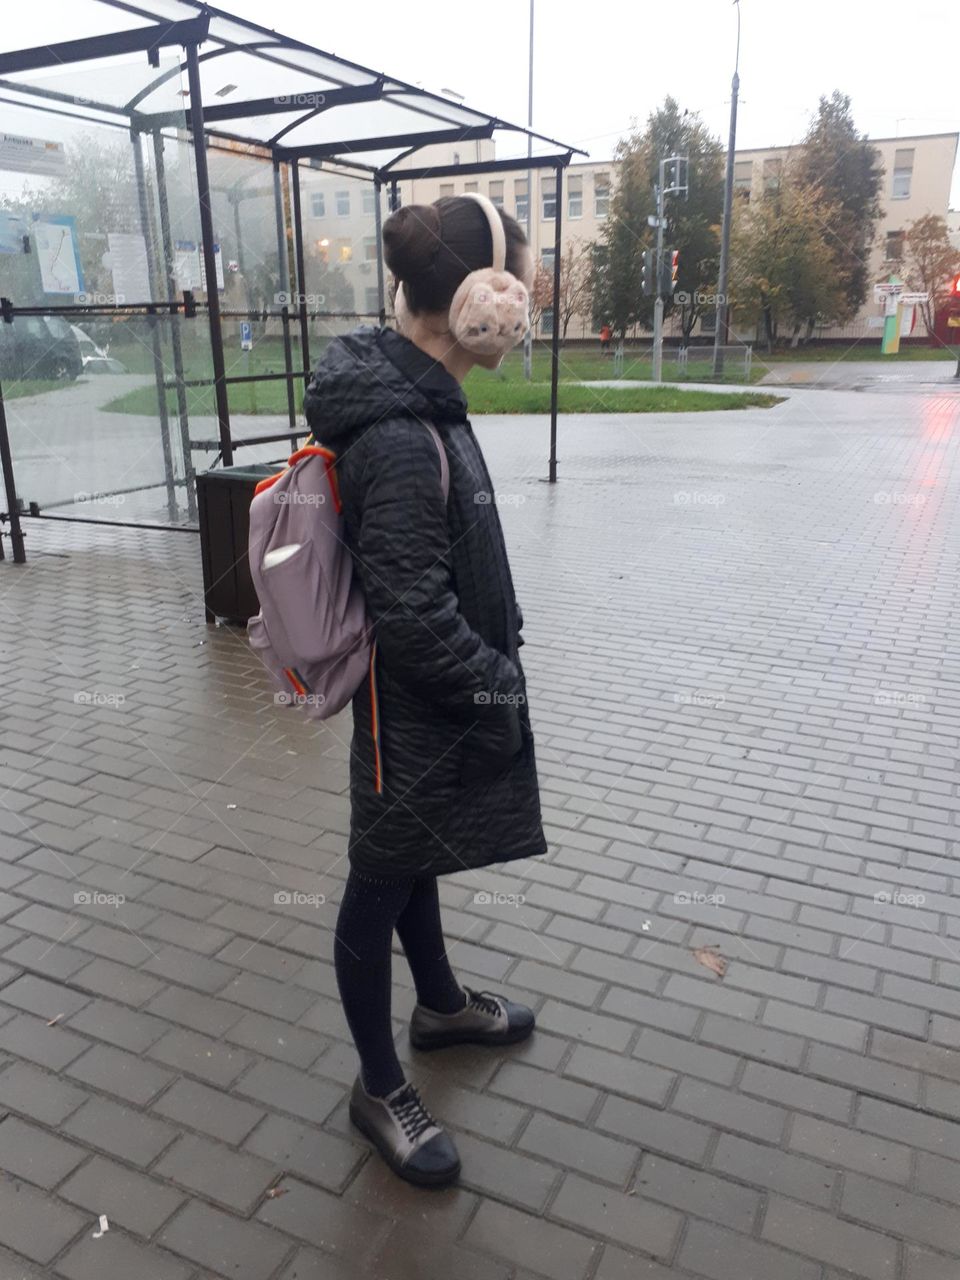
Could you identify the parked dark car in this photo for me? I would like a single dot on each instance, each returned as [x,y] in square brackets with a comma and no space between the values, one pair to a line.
[39,347]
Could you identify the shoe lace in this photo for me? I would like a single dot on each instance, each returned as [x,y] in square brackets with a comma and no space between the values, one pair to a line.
[484,1001]
[413,1117]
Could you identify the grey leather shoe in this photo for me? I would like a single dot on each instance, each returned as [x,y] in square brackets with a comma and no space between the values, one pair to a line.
[484,1019]
[406,1135]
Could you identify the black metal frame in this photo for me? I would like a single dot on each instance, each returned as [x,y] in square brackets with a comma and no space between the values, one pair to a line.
[205,124]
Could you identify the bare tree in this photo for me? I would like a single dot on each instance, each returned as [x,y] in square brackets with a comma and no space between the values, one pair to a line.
[930,263]
[576,275]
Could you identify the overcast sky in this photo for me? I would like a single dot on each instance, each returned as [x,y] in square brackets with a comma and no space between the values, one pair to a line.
[600,64]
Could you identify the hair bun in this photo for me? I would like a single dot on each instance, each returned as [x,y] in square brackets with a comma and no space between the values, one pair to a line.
[412,240]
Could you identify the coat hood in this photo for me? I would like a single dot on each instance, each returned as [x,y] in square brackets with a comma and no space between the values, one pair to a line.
[372,375]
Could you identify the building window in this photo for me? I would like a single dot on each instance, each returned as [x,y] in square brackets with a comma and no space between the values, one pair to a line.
[471,186]
[316,204]
[370,248]
[344,251]
[601,194]
[546,321]
[372,300]
[772,167]
[496,194]
[369,200]
[521,198]
[343,204]
[549,199]
[894,246]
[323,250]
[446,189]
[575,198]
[743,177]
[547,258]
[902,173]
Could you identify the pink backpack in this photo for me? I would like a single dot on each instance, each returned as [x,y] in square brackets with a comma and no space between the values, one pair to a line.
[312,632]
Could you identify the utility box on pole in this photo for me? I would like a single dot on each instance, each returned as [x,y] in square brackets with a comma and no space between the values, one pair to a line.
[646,274]
[673,181]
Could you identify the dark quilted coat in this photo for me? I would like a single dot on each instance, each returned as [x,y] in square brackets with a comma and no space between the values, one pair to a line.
[459,779]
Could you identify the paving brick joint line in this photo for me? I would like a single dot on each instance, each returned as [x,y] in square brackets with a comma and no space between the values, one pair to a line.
[747,704]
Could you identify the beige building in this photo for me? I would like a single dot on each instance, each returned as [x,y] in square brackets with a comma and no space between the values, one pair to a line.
[339,225]
[918,172]
[917,178]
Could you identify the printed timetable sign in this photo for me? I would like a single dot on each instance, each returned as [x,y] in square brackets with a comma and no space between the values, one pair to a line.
[189,265]
[31,155]
[55,237]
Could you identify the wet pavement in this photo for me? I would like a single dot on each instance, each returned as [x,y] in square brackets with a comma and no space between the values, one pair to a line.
[741,648]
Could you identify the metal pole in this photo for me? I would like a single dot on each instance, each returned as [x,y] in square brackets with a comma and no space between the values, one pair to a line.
[658,277]
[209,259]
[153,323]
[722,330]
[283,267]
[378,225]
[13,503]
[167,242]
[301,265]
[528,336]
[555,347]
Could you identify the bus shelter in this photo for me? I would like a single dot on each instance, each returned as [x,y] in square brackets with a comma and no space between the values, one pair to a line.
[190,206]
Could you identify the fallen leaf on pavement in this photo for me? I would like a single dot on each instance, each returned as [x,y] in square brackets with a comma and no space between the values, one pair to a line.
[274,1192]
[710,958]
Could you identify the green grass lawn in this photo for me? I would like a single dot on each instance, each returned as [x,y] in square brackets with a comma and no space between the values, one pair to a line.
[855,353]
[534,397]
[501,391]
[14,390]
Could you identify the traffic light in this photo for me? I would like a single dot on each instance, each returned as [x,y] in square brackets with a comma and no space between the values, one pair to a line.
[669,270]
[646,274]
[955,287]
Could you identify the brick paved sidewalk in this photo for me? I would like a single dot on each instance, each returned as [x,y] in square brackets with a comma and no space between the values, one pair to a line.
[742,649]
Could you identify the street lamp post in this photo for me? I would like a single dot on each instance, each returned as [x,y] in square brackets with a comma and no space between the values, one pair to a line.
[528,336]
[722,329]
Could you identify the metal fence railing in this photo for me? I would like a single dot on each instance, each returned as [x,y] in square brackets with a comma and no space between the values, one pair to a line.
[735,356]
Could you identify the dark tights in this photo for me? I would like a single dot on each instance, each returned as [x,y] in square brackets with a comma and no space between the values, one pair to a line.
[370,911]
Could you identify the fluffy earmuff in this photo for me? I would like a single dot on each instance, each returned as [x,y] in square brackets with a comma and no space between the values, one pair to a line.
[490,311]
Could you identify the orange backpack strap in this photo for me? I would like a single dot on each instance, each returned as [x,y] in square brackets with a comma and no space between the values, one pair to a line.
[309,451]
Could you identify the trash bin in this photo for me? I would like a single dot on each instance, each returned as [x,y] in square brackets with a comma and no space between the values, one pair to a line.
[223,507]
